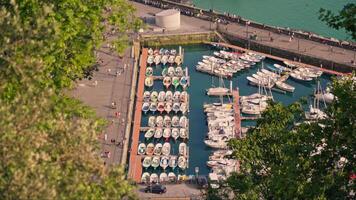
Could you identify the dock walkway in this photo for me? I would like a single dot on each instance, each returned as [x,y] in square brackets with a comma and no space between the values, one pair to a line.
[237,115]
[135,168]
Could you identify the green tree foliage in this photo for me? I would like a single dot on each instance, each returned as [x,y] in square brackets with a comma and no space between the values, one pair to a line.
[49,147]
[345,19]
[282,158]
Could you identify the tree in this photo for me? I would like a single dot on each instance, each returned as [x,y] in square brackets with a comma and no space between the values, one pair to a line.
[49,147]
[282,158]
[345,19]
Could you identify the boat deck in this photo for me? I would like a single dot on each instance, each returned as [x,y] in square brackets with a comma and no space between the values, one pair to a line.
[328,71]
[135,168]
[237,115]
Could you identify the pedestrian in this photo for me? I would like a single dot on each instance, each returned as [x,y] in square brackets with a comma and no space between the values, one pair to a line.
[108,70]
[290,39]
[271,39]
[113,105]
[117,73]
[95,83]
[112,140]
[105,136]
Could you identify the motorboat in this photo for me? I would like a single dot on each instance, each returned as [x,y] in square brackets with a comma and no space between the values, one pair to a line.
[171,59]
[178,71]
[165,72]
[156,52]
[147,161]
[175,133]
[168,107]
[163,177]
[184,97]
[172,177]
[145,107]
[183,133]
[155,161]
[176,96]
[175,81]
[158,133]
[284,86]
[183,82]
[141,149]
[282,68]
[166,149]
[164,59]
[300,77]
[150,59]
[160,107]
[167,81]
[149,71]
[167,122]
[183,122]
[170,71]
[216,144]
[254,109]
[153,107]
[167,133]
[149,133]
[145,178]
[178,60]
[173,52]
[152,121]
[161,96]
[173,162]
[146,96]
[182,149]
[149,81]
[183,108]
[176,107]
[157,59]
[182,162]
[169,96]
[149,149]
[150,51]
[218,91]
[159,121]
[158,149]
[154,96]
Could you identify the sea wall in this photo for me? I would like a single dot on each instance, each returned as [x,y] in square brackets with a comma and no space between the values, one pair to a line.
[179,38]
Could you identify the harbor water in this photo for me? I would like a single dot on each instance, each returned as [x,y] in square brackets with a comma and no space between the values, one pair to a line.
[302,14]
[199,82]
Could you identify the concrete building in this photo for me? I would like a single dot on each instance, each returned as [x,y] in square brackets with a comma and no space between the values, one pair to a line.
[168,19]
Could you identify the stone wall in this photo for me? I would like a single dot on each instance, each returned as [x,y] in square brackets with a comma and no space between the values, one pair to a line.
[175,39]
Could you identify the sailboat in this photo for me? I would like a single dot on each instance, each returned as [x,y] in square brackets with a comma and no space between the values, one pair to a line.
[159,121]
[146,96]
[178,71]
[169,96]
[141,149]
[161,96]
[178,60]
[146,107]
[182,162]
[147,161]
[158,133]
[170,71]
[182,149]
[183,108]
[149,133]
[167,122]
[149,71]
[176,107]
[168,107]
[175,81]
[173,162]
[153,107]
[175,121]
[154,177]
[167,81]
[184,97]
[183,82]
[152,121]
[167,133]
[175,133]
[183,133]
[158,149]
[155,162]
[149,81]
[163,177]
[315,113]
[166,149]
[157,59]
[164,59]
[145,178]
[154,96]
[160,107]
[183,122]
[176,96]
[149,149]
[284,86]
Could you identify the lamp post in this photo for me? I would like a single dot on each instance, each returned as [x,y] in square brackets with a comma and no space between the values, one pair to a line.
[196,169]
[248,39]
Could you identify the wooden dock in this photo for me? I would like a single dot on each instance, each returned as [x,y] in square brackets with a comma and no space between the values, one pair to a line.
[328,71]
[237,115]
[135,168]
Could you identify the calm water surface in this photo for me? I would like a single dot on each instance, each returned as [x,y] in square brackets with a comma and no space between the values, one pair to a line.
[300,14]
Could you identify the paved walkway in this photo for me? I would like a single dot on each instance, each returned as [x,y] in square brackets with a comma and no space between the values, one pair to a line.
[174,191]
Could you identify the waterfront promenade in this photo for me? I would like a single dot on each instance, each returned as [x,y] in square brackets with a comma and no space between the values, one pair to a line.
[280,41]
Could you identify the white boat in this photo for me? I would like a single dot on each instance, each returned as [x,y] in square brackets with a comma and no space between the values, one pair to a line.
[141,149]
[175,121]
[145,107]
[173,162]
[167,121]
[154,96]
[172,177]
[160,107]
[154,178]
[166,149]
[158,149]
[183,133]
[176,107]
[164,162]
[149,133]
[165,72]
[284,86]
[164,59]
[150,51]
[282,68]
[153,107]
[149,71]
[169,96]
[149,81]
[152,121]
[327,96]
[183,122]
[150,59]
[315,114]
[254,109]
[173,52]
[171,59]
[157,59]
[158,133]
[218,91]
[163,177]
[183,108]
[171,71]
[145,178]
[147,161]
[146,96]
[167,81]
[149,149]
[184,97]
[182,149]
[176,96]
[175,81]
[182,162]
[178,60]
[159,121]
[155,161]
[183,82]
[300,77]
[167,133]
[175,133]
[217,144]
[161,96]
[168,107]
[178,71]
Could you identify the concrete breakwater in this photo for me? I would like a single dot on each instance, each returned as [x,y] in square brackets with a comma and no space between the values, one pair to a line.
[177,38]
[211,15]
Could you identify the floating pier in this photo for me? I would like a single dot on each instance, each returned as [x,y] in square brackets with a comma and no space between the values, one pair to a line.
[237,114]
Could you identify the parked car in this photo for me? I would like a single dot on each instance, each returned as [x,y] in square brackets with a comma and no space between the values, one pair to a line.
[156,188]
[202,182]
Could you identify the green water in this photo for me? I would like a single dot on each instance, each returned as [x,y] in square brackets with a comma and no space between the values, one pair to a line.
[198,151]
[298,14]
